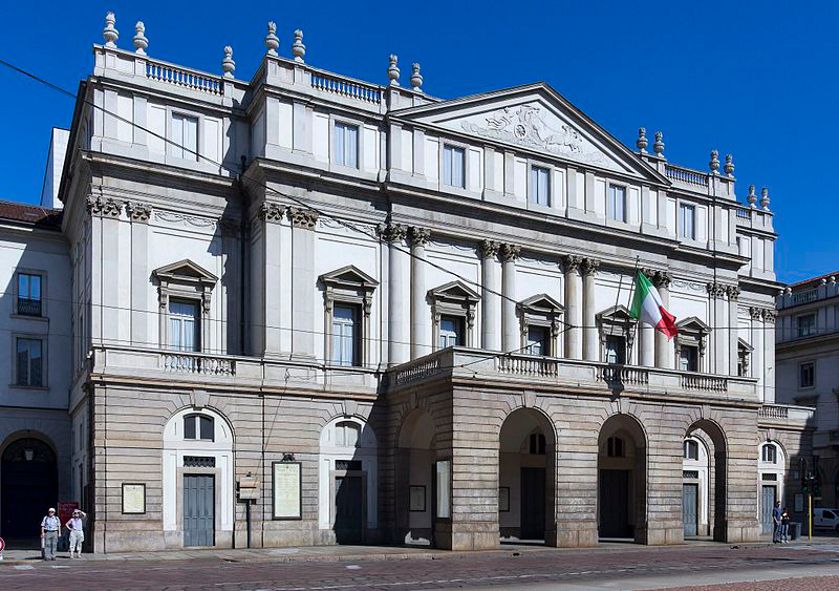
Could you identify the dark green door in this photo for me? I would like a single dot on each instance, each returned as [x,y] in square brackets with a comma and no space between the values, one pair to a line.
[614,504]
[29,477]
[533,503]
[690,501]
[199,510]
[349,510]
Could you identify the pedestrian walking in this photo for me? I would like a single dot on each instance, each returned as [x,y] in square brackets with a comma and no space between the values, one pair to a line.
[776,523]
[50,530]
[76,526]
[785,526]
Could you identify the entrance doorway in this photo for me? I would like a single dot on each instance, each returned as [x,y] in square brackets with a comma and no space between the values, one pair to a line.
[533,503]
[199,510]
[621,470]
[349,509]
[768,496]
[690,503]
[30,486]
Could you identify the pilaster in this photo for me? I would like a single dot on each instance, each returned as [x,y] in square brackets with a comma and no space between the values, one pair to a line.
[720,341]
[733,293]
[398,292]
[139,214]
[303,223]
[420,311]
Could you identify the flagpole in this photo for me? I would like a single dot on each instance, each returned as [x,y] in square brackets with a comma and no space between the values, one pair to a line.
[631,294]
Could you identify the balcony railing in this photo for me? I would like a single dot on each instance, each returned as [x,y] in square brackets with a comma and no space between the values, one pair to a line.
[418,371]
[772,411]
[198,364]
[619,374]
[28,307]
[686,175]
[526,366]
[703,382]
[184,77]
[346,87]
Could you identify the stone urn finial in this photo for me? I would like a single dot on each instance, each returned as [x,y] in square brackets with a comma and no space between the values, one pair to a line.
[714,164]
[729,165]
[298,50]
[658,146]
[764,198]
[110,32]
[642,141]
[751,198]
[416,78]
[393,70]
[272,42]
[141,43]
[227,64]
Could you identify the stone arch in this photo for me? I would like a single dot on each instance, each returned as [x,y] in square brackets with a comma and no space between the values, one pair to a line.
[28,483]
[712,488]
[188,453]
[622,478]
[348,479]
[527,475]
[771,471]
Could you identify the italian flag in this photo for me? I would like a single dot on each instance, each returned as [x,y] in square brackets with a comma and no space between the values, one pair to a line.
[647,307]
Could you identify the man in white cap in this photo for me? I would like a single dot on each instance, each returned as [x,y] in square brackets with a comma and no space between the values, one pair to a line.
[76,526]
[50,530]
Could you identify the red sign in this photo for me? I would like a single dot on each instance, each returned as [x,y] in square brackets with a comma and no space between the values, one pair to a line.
[65,510]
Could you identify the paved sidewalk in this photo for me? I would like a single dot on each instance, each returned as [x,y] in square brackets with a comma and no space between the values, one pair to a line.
[344,553]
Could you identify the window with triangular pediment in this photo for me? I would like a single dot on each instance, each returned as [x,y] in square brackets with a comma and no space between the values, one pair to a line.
[348,300]
[185,292]
[617,333]
[540,317]
[453,308]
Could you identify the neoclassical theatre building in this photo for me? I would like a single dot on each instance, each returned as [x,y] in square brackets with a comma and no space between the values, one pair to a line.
[307,309]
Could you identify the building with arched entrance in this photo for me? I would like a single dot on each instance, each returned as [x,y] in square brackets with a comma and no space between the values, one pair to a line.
[337,312]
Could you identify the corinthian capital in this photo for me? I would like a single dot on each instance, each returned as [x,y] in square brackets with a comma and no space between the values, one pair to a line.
[662,279]
[589,266]
[716,290]
[272,212]
[509,252]
[488,248]
[391,232]
[302,218]
[572,263]
[733,293]
[419,236]
[138,212]
[104,206]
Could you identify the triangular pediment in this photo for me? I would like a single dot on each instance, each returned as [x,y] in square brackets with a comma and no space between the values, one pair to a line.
[535,118]
[185,269]
[692,324]
[542,303]
[455,290]
[349,275]
[617,313]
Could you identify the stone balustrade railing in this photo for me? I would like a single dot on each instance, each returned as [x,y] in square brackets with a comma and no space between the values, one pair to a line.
[187,363]
[184,77]
[526,366]
[417,371]
[621,374]
[345,87]
[771,411]
[702,382]
[686,175]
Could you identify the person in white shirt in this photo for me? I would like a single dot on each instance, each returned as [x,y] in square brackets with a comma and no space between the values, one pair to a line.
[50,530]
[76,526]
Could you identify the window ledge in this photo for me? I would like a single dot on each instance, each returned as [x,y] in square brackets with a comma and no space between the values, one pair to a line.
[31,388]
[28,317]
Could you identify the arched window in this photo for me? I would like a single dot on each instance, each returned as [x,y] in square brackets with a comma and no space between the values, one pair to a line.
[691,451]
[199,427]
[769,453]
[615,448]
[347,434]
[537,444]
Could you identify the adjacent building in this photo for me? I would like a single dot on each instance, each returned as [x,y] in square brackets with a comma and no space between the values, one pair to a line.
[307,309]
[808,368]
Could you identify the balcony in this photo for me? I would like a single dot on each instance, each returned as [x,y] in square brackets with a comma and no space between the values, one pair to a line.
[28,307]
[530,371]
[786,415]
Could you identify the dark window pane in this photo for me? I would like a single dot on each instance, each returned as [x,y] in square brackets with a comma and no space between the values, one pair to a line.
[189,427]
[206,428]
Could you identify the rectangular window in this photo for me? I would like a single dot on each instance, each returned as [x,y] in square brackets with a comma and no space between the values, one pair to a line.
[540,186]
[345,335]
[806,325]
[688,358]
[346,145]
[616,206]
[454,167]
[28,294]
[184,142]
[538,340]
[807,375]
[615,349]
[687,221]
[30,362]
[451,331]
[184,326]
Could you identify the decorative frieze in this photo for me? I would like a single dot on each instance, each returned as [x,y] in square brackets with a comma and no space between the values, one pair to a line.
[138,212]
[302,218]
[488,248]
[391,232]
[174,217]
[509,252]
[104,206]
[272,212]
[419,236]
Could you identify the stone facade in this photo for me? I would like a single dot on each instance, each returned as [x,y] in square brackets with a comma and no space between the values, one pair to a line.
[389,318]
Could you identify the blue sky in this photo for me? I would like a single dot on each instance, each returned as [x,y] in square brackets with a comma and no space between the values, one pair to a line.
[757,79]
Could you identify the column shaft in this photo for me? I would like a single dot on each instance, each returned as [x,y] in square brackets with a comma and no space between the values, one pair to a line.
[303,282]
[573,308]
[398,295]
[420,310]
[664,347]
[490,298]
[591,343]
[510,340]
